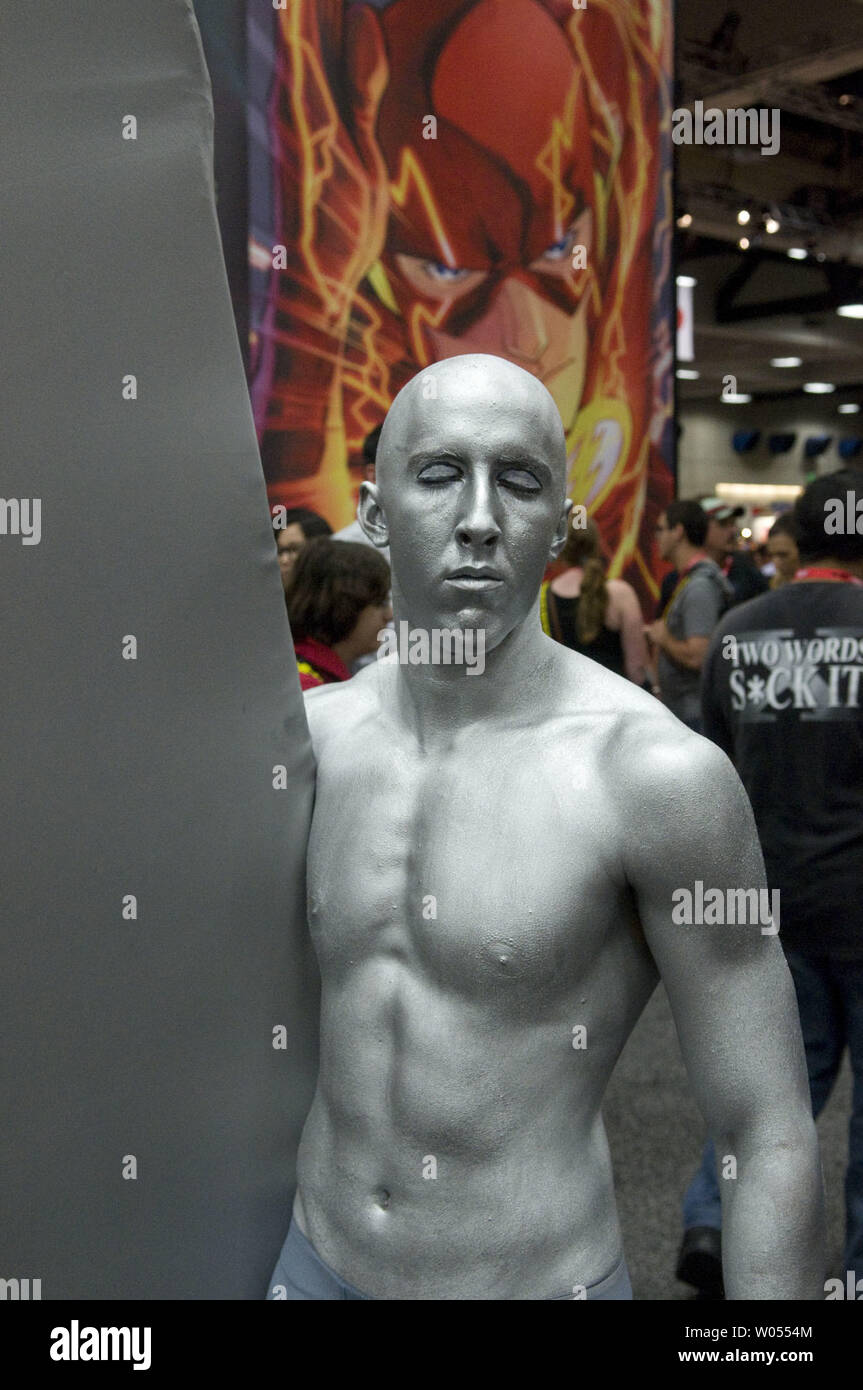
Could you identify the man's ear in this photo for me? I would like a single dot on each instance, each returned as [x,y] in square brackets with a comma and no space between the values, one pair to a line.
[561,532]
[371,516]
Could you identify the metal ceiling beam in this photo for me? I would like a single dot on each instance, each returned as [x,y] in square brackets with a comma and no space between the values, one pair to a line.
[817,105]
[803,70]
[695,391]
[842,283]
[728,289]
[714,214]
[775,308]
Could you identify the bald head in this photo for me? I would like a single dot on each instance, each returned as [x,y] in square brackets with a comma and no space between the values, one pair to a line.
[470,496]
[481,391]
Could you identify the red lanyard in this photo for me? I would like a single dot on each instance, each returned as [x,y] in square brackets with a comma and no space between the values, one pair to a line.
[820,572]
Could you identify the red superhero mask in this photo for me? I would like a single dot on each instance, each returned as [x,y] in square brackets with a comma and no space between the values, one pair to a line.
[504,188]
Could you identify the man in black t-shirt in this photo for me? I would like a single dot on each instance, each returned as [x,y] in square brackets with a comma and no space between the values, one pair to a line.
[782,694]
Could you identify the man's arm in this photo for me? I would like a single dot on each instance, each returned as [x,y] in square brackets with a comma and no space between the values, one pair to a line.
[688,652]
[700,606]
[631,630]
[734,1006]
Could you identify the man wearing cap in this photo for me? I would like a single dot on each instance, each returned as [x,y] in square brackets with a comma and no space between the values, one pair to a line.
[737,565]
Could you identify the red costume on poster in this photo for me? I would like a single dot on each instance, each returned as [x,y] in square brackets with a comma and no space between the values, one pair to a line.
[471,177]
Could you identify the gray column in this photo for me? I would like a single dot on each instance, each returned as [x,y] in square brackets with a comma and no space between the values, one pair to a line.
[151,873]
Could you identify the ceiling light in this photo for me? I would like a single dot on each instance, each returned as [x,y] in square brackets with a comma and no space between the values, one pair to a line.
[685,220]
[757,492]
[751,492]
[743,216]
[850,311]
[797,253]
[846,99]
[735,398]
[743,243]
[687,282]
[786,361]
[818,388]
[820,256]
[771,225]
[849,409]
[687,374]
[746,533]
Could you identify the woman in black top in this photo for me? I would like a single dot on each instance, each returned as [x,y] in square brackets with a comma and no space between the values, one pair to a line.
[598,617]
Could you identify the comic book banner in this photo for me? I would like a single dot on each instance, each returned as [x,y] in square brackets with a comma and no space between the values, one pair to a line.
[434,179]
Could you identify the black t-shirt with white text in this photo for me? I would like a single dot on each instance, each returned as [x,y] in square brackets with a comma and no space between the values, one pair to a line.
[782,694]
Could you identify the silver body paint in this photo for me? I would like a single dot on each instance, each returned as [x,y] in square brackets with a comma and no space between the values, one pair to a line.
[490,877]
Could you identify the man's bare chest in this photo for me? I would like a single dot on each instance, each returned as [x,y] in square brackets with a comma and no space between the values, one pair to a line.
[494,867]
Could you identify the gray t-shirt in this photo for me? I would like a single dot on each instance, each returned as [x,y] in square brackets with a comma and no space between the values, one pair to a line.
[693,613]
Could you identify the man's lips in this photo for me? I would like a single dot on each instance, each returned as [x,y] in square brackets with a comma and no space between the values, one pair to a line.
[475,577]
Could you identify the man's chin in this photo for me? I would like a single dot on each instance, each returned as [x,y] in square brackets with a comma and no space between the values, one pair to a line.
[468,617]
[495,627]
[474,613]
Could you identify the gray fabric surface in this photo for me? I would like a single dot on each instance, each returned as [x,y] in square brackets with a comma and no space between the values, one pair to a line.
[147,1038]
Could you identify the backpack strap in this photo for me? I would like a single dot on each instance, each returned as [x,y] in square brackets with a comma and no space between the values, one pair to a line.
[680,586]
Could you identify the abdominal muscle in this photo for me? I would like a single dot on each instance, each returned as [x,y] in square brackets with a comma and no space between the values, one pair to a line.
[455,1148]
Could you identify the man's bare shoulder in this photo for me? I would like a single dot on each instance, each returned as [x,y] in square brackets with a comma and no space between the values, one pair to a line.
[343,707]
[648,754]
[676,797]
[589,689]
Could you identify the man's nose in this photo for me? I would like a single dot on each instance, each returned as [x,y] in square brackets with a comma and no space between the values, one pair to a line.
[478,525]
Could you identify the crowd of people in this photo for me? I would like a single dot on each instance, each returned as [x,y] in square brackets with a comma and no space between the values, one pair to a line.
[759,650]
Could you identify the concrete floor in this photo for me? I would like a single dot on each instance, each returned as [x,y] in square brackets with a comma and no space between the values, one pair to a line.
[656,1133]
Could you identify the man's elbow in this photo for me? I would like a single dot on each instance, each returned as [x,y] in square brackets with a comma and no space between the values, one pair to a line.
[786,1160]
[693,657]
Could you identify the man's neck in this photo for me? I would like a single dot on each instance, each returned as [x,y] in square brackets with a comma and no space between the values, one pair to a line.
[441,700]
[685,554]
[829,562]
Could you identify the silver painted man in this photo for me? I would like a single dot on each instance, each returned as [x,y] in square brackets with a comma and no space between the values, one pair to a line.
[490,874]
